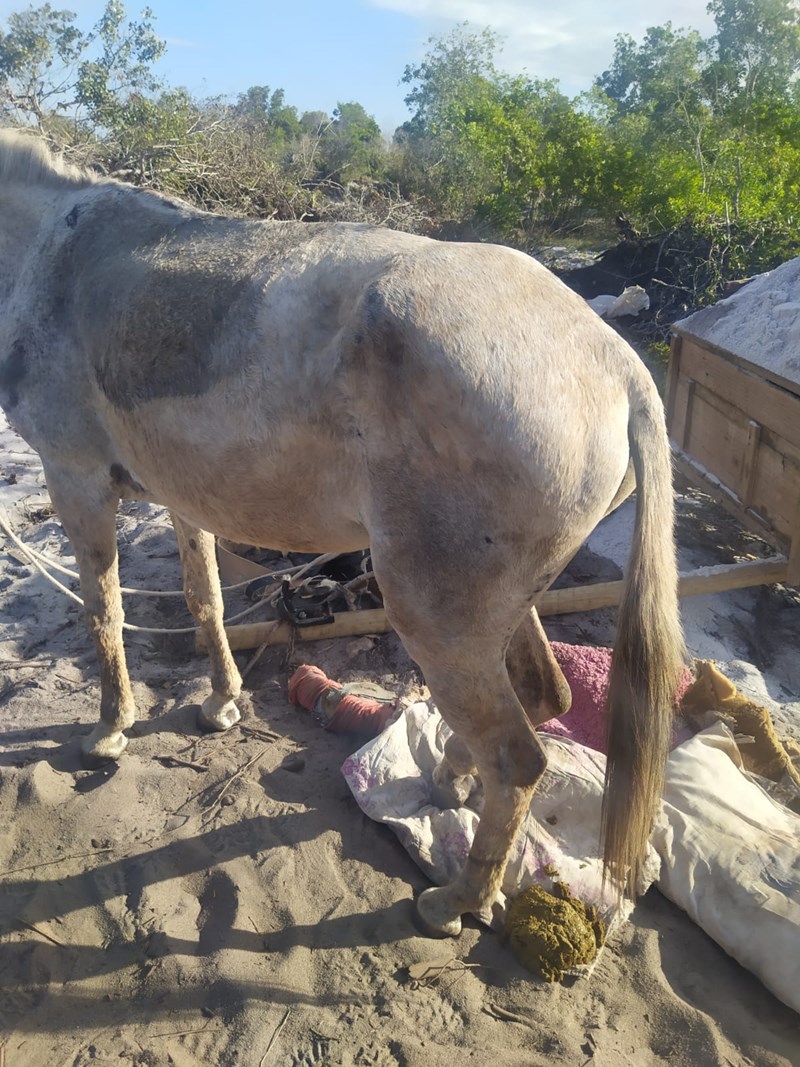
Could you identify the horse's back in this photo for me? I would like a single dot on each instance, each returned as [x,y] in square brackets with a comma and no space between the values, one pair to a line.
[479,362]
[325,367]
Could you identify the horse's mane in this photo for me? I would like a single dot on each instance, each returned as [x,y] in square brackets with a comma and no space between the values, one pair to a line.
[24,157]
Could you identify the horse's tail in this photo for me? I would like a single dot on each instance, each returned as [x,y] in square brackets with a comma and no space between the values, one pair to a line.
[648,655]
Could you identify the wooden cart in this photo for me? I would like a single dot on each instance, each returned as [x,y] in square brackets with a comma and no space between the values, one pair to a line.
[735,429]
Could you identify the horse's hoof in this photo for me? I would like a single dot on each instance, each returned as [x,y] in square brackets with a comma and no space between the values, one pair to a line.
[102,747]
[432,911]
[217,713]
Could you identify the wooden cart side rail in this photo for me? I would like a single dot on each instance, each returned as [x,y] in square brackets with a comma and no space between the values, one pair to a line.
[727,498]
[765,402]
[553,602]
[747,365]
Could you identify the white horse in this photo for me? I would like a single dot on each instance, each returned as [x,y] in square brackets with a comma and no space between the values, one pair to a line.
[328,387]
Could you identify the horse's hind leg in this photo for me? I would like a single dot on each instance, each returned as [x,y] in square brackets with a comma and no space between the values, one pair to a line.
[204,599]
[535,673]
[538,682]
[88,512]
[470,685]
[479,704]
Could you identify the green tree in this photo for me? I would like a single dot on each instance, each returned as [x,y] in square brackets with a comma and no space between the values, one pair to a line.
[510,151]
[662,75]
[314,122]
[265,110]
[706,127]
[458,139]
[351,144]
[657,108]
[118,62]
[756,56]
[453,63]
[49,68]
[38,52]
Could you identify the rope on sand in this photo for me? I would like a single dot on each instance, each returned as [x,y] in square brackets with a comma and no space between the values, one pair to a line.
[39,561]
[56,566]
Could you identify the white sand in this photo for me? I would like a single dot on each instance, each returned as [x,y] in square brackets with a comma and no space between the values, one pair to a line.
[141,923]
[759,323]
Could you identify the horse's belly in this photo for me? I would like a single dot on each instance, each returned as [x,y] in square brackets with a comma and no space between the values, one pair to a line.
[319,524]
[284,493]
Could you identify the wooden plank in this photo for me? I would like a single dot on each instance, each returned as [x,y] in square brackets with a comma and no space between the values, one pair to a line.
[725,496]
[274,632]
[780,444]
[706,580]
[234,568]
[776,490]
[722,406]
[720,449]
[750,462]
[673,376]
[677,420]
[756,398]
[553,602]
[687,418]
[743,432]
[740,362]
[717,438]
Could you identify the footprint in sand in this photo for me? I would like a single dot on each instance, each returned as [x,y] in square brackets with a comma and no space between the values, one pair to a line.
[219,903]
[323,1052]
[374,1055]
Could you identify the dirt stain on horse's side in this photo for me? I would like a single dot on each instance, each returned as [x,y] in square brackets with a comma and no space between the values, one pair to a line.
[173,355]
[12,372]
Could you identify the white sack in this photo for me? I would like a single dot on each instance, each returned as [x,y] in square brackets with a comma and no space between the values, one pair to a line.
[730,857]
[391,778]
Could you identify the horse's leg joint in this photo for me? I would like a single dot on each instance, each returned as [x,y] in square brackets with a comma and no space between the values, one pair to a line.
[537,678]
[439,911]
[458,756]
[521,764]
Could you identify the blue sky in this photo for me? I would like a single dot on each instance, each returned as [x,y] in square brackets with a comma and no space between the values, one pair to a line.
[324,51]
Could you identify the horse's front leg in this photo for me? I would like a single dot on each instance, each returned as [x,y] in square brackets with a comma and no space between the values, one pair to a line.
[204,598]
[87,508]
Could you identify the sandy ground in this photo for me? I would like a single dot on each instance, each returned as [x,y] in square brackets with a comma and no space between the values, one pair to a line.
[148,917]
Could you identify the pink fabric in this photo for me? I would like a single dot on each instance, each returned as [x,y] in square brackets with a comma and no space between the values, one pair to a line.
[586,669]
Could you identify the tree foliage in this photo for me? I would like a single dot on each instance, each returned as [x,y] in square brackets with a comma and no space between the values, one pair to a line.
[96,94]
[352,145]
[680,126]
[510,151]
[50,69]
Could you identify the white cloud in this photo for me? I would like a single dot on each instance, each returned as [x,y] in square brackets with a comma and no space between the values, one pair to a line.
[572,40]
[182,42]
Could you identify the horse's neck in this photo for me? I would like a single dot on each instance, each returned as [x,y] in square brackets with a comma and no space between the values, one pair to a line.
[28,215]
